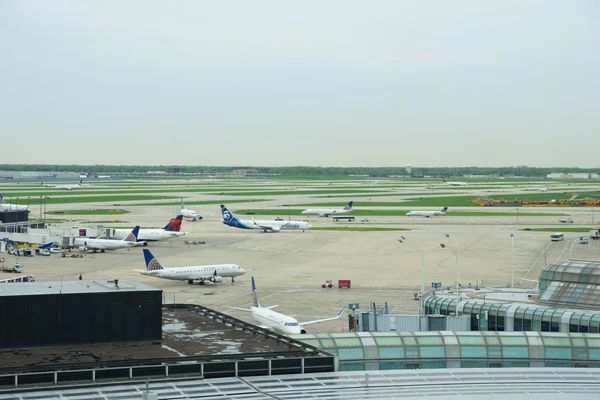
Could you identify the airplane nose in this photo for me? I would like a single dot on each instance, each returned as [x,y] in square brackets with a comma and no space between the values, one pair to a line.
[309,226]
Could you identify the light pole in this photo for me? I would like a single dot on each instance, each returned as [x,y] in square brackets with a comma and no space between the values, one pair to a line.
[402,240]
[512,278]
[457,263]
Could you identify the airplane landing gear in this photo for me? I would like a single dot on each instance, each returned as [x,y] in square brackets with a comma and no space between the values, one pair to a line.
[232,279]
[190,281]
[202,282]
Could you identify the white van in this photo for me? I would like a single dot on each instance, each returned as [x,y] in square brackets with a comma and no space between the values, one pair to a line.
[565,220]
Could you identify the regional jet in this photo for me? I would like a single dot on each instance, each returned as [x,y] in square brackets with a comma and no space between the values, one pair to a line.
[170,231]
[204,273]
[13,207]
[454,183]
[427,214]
[85,244]
[193,215]
[325,212]
[544,189]
[266,226]
[278,322]
[65,187]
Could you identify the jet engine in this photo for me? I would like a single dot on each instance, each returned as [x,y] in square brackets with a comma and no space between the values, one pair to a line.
[216,279]
[83,248]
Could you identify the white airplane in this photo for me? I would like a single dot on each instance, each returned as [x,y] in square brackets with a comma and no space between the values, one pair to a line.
[210,273]
[85,244]
[278,322]
[454,183]
[545,189]
[189,213]
[427,214]
[94,174]
[171,231]
[8,206]
[65,187]
[267,226]
[325,212]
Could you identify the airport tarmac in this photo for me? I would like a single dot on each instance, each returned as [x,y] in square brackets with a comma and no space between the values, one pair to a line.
[290,267]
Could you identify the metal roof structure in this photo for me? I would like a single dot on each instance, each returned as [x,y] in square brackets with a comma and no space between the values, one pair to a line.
[494,384]
[571,283]
[75,287]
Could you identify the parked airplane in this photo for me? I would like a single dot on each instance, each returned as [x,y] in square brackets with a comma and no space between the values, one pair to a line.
[14,207]
[85,244]
[267,226]
[65,187]
[454,183]
[204,273]
[189,213]
[325,212]
[278,322]
[545,189]
[94,174]
[170,231]
[427,213]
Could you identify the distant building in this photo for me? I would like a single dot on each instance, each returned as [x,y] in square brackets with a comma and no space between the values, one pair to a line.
[572,175]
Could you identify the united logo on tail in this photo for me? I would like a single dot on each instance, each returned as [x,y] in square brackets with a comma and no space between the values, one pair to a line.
[132,237]
[152,263]
[348,207]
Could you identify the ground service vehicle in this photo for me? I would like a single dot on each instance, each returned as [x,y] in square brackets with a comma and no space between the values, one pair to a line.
[583,240]
[557,237]
[328,284]
[595,234]
[565,220]
[344,283]
[340,218]
[17,268]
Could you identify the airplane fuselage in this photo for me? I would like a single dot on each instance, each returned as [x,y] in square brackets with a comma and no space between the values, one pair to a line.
[324,212]
[192,273]
[102,244]
[257,224]
[148,235]
[278,322]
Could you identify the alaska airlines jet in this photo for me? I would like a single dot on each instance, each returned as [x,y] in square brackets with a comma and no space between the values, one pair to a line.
[85,244]
[278,322]
[427,213]
[210,273]
[171,231]
[325,212]
[189,213]
[454,183]
[267,226]
[16,207]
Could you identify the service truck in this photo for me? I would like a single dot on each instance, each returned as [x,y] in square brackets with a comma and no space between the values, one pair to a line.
[595,234]
[17,268]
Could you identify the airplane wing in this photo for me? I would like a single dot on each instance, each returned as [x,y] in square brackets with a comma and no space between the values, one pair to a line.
[272,228]
[241,309]
[323,320]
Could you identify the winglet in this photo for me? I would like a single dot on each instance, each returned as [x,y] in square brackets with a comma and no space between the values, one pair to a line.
[152,263]
[341,312]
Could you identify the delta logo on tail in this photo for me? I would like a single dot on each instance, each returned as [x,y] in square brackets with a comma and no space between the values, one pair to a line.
[132,237]
[174,224]
[152,263]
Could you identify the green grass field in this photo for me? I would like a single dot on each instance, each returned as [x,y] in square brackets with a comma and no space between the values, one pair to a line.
[201,202]
[35,201]
[98,211]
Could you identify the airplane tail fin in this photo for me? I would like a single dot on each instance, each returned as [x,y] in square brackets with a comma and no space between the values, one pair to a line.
[444,210]
[227,215]
[174,224]
[1,199]
[254,294]
[152,263]
[443,179]
[81,182]
[349,206]
[133,235]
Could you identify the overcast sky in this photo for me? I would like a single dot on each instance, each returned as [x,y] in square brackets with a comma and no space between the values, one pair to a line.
[329,83]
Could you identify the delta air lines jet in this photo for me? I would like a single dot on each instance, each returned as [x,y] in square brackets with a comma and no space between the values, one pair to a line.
[278,322]
[210,273]
[85,244]
[171,231]
[325,212]
[267,226]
